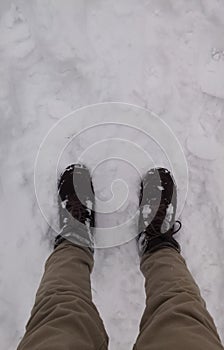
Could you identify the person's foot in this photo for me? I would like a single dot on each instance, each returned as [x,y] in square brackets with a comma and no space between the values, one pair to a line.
[158,201]
[76,206]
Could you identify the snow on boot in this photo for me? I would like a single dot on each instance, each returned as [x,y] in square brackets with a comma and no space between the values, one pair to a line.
[76,206]
[158,202]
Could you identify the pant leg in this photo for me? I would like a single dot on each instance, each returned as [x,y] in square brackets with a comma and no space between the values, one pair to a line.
[64,316]
[175,316]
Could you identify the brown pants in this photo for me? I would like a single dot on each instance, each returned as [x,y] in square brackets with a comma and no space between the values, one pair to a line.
[64,316]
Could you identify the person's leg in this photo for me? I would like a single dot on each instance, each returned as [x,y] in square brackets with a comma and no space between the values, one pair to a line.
[64,316]
[175,316]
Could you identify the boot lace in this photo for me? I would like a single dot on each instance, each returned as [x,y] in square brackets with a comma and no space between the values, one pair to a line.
[154,229]
[78,210]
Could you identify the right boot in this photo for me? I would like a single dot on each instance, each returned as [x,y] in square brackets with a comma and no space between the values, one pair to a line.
[158,202]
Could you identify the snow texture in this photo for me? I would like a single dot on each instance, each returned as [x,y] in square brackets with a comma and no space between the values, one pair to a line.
[146,211]
[165,55]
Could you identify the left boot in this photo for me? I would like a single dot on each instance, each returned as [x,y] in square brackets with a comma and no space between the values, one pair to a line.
[76,207]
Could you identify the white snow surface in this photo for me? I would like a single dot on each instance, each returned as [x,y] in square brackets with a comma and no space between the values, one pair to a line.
[58,56]
[146,211]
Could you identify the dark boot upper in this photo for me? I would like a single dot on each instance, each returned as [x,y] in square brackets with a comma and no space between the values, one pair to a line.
[158,202]
[76,206]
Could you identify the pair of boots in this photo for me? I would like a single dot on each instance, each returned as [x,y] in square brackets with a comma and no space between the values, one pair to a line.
[157,204]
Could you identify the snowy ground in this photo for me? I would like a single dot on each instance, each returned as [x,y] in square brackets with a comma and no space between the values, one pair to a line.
[165,55]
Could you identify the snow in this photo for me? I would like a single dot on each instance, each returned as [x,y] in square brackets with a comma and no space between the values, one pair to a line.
[146,211]
[168,218]
[63,203]
[210,81]
[89,205]
[162,55]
